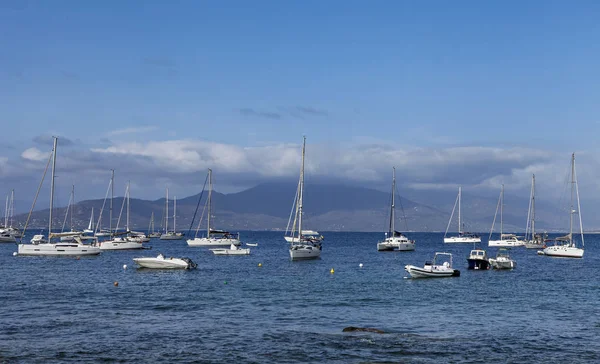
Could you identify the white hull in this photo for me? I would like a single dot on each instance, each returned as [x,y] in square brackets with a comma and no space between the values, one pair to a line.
[563,251]
[295,239]
[304,252]
[171,237]
[391,246]
[230,251]
[462,239]
[505,243]
[436,271]
[502,263]
[58,249]
[212,242]
[163,263]
[120,245]
[534,246]
[7,239]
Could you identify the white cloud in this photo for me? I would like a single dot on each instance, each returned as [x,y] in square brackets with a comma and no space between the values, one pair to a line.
[34,155]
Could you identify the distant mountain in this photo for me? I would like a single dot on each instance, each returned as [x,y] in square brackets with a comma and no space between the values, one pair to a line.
[328,207]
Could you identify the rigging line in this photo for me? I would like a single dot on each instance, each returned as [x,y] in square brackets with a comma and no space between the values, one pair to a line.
[98,224]
[495,215]
[402,209]
[62,230]
[452,215]
[36,197]
[201,219]
[294,207]
[388,215]
[122,206]
[198,205]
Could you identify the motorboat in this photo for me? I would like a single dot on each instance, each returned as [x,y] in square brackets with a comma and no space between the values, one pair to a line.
[252,244]
[433,269]
[233,250]
[478,260]
[463,236]
[502,260]
[161,262]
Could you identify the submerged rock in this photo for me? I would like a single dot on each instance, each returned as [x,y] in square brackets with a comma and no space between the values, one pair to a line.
[362,329]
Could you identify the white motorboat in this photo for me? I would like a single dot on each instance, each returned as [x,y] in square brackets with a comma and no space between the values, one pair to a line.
[566,246]
[395,240]
[213,237]
[233,250]
[434,269]
[171,235]
[160,262]
[252,244]
[506,240]
[462,237]
[502,260]
[41,247]
[302,247]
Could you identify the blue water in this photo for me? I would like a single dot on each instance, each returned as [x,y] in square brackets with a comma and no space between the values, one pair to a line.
[230,310]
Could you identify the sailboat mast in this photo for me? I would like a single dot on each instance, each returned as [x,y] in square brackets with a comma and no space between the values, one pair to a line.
[301,195]
[533,207]
[393,206]
[128,185]
[151,226]
[167,212]
[578,203]
[209,202]
[459,198]
[52,186]
[112,193]
[12,206]
[6,213]
[174,214]
[501,211]
[572,192]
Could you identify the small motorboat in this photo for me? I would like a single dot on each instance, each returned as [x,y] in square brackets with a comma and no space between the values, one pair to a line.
[434,269]
[252,244]
[503,260]
[160,262]
[478,260]
[233,250]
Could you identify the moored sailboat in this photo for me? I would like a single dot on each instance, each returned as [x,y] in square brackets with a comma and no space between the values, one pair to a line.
[395,240]
[462,237]
[533,240]
[506,240]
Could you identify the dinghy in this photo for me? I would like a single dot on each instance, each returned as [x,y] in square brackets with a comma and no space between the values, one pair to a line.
[433,269]
[160,262]
[233,250]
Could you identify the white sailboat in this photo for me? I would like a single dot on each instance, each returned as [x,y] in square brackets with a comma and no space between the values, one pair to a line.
[151,232]
[395,240]
[213,237]
[302,247]
[90,229]
[8,233]
[533,240]
[40,247]
[463,237]
[171,235]
[70,235]
[122,242]
[565,246]
[506,240]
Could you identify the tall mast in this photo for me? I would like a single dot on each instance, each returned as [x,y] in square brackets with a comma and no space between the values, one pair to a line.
[209,201]
[501,210]
[72,204]
[167,212]
[301,195]
[572,191]
[112,193]
[12,206]
[128,184]
[174,214]
[533,207]
[393,207]
[151,227]
[578,204]
[6,213]
[52,186]
[459,198]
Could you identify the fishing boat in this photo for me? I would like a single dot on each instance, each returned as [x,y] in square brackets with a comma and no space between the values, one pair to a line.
[161,262]
[233,250]
[566,246]
[42,247]
[533,240]
[506,240]
[120,241]
[433,269]
[213,237]
[502,260]
[478,260]
[302,247]
[171,235]
[395,240]
[462,237]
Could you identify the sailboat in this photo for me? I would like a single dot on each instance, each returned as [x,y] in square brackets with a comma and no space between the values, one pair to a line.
[39,246]
[395,240]
[122,242]
[90,229]
[8,233]
[565,246]
[151,232]
[506,240]
[533,240]
[302,246]
[463,237]
[213,237]
[69,212]
[171,235]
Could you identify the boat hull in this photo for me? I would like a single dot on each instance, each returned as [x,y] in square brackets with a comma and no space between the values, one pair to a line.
[304,252]
[505,243]
[534,246]
[212,242]
[502,263]
[563,251]
[462,239]
[230,251]
[59,249]
[158,263]
[478,264]
[431,272]
[8,239]
[120,245]
[385,246]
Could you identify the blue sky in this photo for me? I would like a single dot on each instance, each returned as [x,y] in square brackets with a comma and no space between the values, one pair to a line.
[129,83]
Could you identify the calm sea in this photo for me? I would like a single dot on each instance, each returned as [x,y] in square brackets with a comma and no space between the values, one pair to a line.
[230,310]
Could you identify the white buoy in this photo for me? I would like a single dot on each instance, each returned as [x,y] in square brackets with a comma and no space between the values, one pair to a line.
[124,266]
[360,265]
[14,254]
